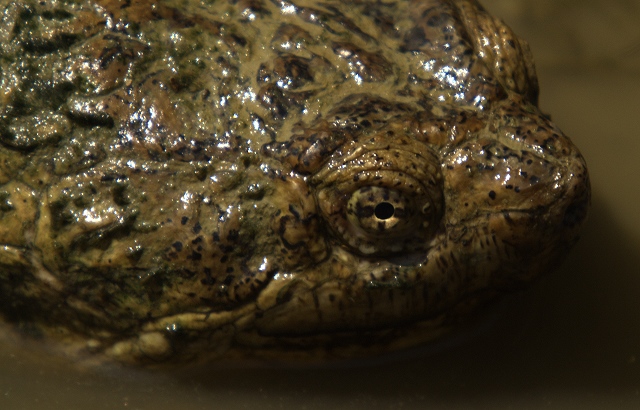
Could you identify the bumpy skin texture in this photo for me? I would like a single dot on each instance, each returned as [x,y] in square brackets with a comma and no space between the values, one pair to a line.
[185,179]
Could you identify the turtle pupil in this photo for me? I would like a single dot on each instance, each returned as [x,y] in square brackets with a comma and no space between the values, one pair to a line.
[384,210]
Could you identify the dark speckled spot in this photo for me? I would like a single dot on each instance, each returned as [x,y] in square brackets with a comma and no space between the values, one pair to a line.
[195,256]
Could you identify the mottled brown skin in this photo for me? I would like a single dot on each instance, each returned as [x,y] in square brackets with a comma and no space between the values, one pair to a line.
[181,181]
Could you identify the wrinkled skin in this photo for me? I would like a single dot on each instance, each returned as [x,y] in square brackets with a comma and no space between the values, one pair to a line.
[189,179]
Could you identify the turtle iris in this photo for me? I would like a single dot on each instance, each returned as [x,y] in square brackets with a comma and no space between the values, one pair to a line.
[380,211]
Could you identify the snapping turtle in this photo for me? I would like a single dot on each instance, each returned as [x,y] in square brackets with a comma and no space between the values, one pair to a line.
[184,179]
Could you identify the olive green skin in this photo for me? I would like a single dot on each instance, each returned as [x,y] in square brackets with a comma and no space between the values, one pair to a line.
[181,180]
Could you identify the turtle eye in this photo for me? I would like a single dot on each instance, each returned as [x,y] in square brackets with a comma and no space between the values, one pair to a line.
[381,219]
[382,202]
[380,211]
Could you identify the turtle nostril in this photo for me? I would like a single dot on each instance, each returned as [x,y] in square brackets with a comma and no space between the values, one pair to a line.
[576,212]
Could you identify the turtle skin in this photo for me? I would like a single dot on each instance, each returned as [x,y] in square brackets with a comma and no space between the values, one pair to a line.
[183,180]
